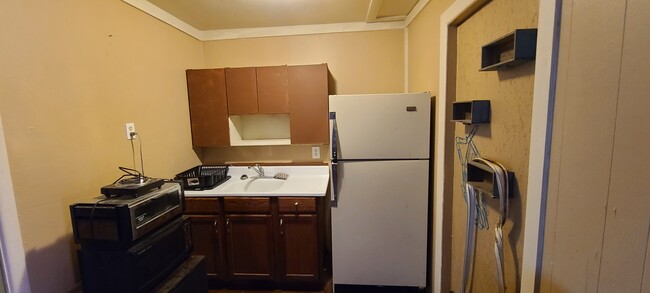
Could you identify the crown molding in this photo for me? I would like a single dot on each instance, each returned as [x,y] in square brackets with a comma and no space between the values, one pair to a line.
[299,30]
[415,12]
[164,16]
[229,34]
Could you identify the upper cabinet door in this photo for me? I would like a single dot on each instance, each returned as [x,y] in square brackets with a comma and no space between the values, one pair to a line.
[272,90]
[241,89]
[308,94]
[206,91]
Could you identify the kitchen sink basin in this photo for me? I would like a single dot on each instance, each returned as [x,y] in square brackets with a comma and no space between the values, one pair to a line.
[255,185]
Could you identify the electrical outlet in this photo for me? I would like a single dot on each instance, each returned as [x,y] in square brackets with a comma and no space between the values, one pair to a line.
[129,127]
[315,152]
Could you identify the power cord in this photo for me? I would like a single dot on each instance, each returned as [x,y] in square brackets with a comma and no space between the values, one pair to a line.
[135,135]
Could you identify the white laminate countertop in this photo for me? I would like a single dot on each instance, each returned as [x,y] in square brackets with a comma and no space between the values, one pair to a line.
[302,181]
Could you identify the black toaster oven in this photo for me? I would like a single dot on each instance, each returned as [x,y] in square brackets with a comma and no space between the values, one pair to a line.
[124,219]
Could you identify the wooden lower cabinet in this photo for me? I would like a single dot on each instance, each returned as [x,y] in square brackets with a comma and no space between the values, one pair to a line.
[250,247]
[206,238]
[298,253]
[207,234]
[266,241]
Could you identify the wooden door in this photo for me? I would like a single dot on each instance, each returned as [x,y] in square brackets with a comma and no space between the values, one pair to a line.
[597,236]
[206,238]
[241,89]
[272,90]
[250,247]
[206,91]
[299,248]
[308,104]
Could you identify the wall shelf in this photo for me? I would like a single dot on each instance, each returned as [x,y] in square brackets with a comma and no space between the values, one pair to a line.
[471,112]
[510,50]
[482,177]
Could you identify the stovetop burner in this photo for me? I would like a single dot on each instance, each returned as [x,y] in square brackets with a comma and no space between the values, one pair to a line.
[133,182]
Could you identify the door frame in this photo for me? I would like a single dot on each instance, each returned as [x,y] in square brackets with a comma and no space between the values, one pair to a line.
[12,252]
[540,139]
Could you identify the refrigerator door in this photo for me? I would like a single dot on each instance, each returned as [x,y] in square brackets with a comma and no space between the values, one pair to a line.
[379,224]
[381,126]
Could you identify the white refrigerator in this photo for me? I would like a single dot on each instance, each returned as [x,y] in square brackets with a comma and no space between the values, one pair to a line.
[379,188]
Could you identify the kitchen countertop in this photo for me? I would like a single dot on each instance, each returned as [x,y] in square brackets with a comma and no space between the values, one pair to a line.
[312,181]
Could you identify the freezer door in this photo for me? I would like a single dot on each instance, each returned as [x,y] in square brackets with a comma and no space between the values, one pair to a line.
[379,223]
[382,126]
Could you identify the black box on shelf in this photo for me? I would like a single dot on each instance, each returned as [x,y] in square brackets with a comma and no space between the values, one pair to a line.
[471,112]
[482,177]
[514,48]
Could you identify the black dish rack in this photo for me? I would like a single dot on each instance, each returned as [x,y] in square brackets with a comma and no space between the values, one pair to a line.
[203,177]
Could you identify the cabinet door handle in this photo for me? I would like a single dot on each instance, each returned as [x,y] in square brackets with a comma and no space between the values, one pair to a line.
[228,225]
[214,225]
[281,228]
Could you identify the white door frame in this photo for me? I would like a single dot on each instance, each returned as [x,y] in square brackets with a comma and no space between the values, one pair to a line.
[12,251]
[540,139]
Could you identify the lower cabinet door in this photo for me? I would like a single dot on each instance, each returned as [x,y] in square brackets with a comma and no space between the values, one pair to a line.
[299,248]
[206,238]
[250,247]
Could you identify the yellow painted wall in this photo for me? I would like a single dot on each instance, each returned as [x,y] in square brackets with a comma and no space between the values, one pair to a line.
[505,139]
[73,72]
[424,48]
[358,62]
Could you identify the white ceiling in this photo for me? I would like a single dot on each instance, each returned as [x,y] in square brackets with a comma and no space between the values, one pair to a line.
[226,19]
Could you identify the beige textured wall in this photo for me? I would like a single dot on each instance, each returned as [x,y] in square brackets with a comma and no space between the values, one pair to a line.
[73,72]
[597,236]
[358,62]
[506,139]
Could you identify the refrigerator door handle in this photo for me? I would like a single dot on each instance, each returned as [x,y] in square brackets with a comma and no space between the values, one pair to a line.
[334,144]
[334,181]
[334,141]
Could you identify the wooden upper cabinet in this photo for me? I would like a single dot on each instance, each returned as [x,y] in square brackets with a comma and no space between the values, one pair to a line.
[308,103]
[206,90]
[241,89]
[261,90]
[272,90]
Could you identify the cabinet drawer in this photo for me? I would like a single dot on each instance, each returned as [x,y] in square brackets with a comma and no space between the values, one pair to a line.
[297,204]
[247,205]
[195,205]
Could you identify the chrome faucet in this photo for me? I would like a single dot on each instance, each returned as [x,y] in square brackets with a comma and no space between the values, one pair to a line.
[259,170]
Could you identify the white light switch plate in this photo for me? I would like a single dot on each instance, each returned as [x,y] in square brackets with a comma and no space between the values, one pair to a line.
[315,152]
